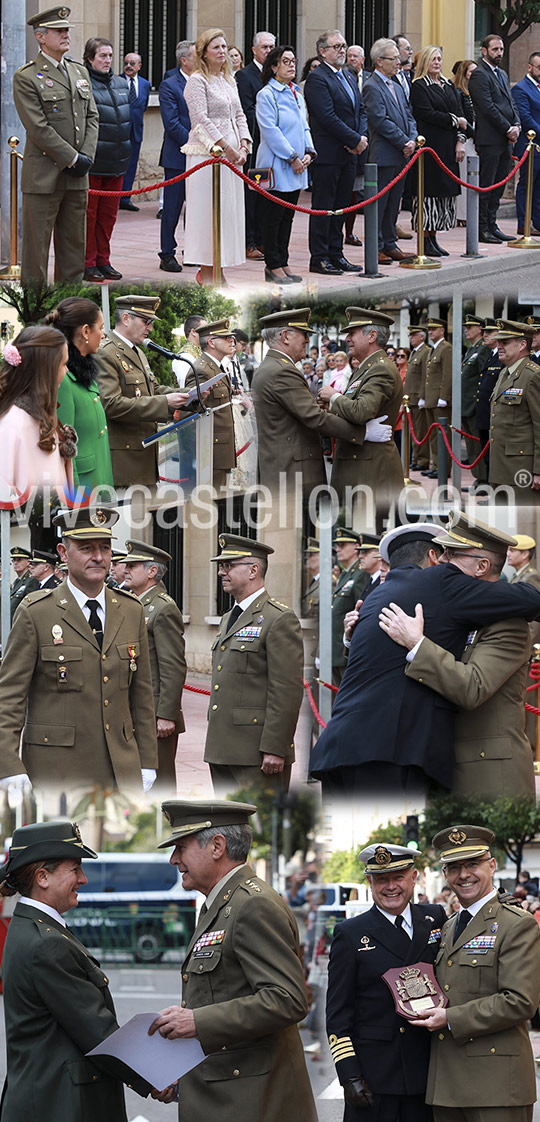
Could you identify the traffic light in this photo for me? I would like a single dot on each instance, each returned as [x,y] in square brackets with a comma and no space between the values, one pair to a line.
[411,832]
[4,326]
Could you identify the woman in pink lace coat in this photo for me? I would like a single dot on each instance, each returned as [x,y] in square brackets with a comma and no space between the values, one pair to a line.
[34,453]
[216,118]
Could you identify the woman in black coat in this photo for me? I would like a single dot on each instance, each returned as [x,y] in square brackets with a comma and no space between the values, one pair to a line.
[113,153]
[435,104]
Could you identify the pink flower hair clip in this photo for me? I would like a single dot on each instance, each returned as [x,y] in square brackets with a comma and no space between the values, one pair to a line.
[12,355]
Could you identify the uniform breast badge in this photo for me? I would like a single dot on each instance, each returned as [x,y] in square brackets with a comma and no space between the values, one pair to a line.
[57,634]
[132,658]
[366,944]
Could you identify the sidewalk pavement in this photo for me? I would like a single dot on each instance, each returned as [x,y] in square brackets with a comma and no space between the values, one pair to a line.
[135,247]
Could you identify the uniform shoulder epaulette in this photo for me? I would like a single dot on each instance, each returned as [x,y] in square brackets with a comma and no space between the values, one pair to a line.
[277,604]
[515,909]
[125,592]
[165,596]
[252,886]
[25,66]
[38,594]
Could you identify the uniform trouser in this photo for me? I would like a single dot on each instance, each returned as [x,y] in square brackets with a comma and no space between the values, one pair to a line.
[391,1108]
[431,416]
[494,166]
[165,784]
[420,452]
[482,1113]
[173,201]
[61,213]
[101,217]
[474,447]
[232,777]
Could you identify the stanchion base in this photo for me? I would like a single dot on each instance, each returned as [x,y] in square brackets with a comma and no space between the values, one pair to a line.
[372,276]
[473,256]
[12,272]
[524,243]
[420,262]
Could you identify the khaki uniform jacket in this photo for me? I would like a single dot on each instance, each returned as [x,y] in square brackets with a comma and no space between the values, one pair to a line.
[492,752]
[57,1007]
[290,424]
[374,389]
[438,375]
[256,691]
[165,630]
[59,114]
[493,989]
[247,989]
[347,590]
[530,575]
[224,449]
[133,404]
[515,428]
[86,715]
[310,600]
[415,376]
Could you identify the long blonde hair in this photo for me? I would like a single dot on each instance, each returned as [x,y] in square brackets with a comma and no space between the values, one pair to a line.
[203,42]
[424,59]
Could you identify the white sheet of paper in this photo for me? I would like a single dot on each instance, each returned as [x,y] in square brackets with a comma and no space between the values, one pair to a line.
[158,1060]
[204,386]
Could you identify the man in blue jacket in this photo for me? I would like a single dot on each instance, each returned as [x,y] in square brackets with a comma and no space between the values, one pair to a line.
[526,95]
[176,123]
[139,93]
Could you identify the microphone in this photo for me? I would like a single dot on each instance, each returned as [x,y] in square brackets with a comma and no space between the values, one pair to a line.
[149,343]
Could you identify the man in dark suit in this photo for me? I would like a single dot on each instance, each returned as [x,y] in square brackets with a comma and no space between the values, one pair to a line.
[338,126]
[526,96]
[497,127]
[139,93]
[355,66]
[392,137]
[381,1058]
[249,82]
[176,123]
[404,744]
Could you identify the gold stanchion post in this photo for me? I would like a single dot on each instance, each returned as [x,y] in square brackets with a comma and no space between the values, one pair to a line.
[526,242]
[405,436]
[420,261]
[535,694]
[14,269]
[216,215]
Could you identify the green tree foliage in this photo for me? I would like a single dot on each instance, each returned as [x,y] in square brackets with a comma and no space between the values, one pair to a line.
[511,19]
[514,822]
[296,820]
[342,865]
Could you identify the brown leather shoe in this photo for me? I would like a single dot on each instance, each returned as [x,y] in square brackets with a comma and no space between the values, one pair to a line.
[384,260]
[254,254]
[403,234]
[397,254]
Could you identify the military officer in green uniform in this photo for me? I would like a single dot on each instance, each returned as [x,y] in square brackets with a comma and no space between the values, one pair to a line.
[243,987]
[347,590]
[482,1066]
[374,393]
[514,457]
[57,1002]
[75,677]
[53,97]
[414,387]
[146,566]
[290,424]
[24,582]
[217,341]
[477,355]
[132,399]
[437,397]
[520,557]
[257,667]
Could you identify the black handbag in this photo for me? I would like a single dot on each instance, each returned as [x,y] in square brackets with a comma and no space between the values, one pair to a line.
[262,177]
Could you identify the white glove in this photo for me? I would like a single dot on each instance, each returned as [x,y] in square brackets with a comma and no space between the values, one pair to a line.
[441,403]
[421,403]
[149,776]
[376,432]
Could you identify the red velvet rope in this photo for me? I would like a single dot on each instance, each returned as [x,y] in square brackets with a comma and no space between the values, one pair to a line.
[436,425]
[314,709]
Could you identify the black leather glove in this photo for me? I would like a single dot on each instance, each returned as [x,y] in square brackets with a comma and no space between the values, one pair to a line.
[81,167]
[357,1093]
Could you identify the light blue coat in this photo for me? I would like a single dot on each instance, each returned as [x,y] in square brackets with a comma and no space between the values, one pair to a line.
[284,129]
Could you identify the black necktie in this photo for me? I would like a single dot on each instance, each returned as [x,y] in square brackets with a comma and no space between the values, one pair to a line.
[132,91]
[237,611]
[401,930]
[95,622]
[463,920]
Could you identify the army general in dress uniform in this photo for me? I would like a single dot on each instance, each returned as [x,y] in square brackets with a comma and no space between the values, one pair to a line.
[57,1002]
[75,678]
[257,666]
[131,397]
[146,566]
[243,988]
[514,455]
[53,97]
[381,1058]
[488,965]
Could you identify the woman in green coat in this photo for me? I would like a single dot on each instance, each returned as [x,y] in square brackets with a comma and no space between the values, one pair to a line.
[79,403]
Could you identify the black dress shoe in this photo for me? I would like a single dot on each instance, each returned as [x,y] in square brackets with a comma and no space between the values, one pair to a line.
[431,474]
[488,238]
[170,264]
[274,278]
[93,274]
[126,204]
[499,234]
[431,248]
[346,266]
[294,277]
[109,273]
[160,212]
[325,267]
[442,251]
[351,239]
